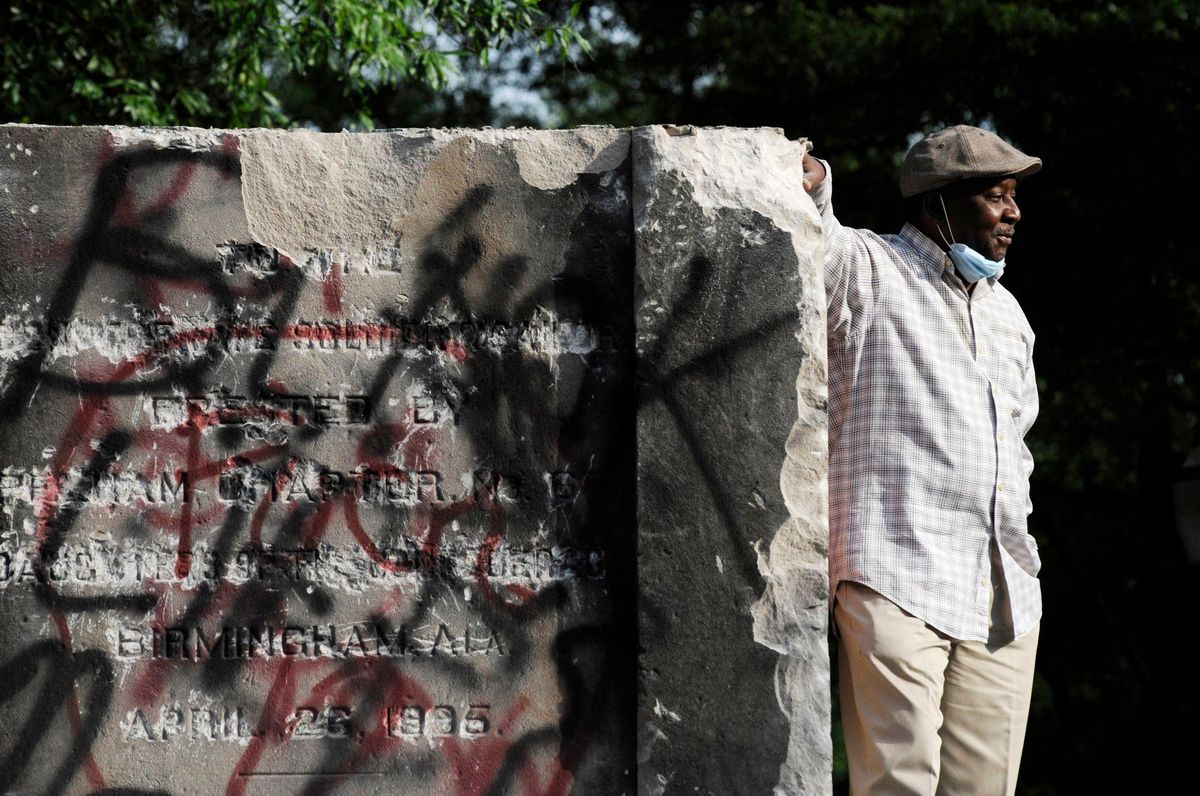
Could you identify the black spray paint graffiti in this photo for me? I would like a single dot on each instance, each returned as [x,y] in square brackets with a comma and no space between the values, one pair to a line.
[502,402]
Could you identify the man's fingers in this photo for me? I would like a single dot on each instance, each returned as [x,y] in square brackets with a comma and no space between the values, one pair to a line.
[814,172]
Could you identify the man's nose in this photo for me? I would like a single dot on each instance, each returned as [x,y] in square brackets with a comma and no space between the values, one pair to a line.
[1012,213]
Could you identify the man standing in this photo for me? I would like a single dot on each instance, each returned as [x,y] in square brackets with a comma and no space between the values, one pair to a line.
[931,392]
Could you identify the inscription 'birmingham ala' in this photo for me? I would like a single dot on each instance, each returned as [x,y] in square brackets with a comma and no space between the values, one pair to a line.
[368,639]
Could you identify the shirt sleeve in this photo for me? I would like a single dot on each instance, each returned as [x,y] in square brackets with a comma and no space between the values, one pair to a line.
[851,281]
[1027,412]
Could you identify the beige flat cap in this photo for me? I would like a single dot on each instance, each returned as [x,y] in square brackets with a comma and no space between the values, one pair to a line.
[960,153]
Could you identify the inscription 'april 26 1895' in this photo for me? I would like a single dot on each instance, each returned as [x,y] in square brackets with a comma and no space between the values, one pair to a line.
[214,723]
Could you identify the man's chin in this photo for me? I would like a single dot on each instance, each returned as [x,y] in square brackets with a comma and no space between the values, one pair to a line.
[1000,248]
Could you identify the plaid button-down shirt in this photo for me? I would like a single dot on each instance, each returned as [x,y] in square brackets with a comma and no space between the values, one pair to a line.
[931,393]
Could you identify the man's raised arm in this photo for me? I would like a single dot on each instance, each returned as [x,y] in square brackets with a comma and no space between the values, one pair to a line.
[851,281]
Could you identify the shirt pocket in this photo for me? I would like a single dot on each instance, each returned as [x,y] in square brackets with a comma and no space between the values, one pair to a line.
[1011,358]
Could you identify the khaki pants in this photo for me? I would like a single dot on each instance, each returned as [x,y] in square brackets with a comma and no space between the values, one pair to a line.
[923,713]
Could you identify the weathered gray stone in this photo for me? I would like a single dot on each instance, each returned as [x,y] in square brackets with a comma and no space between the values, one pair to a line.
[321,461]
[730,310]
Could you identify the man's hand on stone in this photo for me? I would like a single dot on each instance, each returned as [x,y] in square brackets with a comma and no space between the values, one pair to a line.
[814,173]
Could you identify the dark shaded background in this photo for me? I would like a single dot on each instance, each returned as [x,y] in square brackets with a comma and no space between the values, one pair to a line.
[1106,95]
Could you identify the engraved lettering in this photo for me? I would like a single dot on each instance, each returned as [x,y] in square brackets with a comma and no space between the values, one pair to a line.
[294,642]
[494,643]
[173,487]
[206,648]
[191,722]
[205,724]
[354,643]
[406,721]
[337,721]
[138,727]
[129,642]
[475,722]
[306,723]
[174,638]
[100,563]
[171,723]
[442,720]
[309,723]
[194,643]
[423,409]
[415,721]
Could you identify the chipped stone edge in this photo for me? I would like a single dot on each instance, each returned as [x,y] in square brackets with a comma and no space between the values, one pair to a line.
[791,617]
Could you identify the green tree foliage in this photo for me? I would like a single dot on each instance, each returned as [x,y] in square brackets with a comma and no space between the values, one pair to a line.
[221,62]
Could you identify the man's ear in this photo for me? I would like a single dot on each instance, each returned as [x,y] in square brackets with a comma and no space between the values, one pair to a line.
[933,206]
[936,204]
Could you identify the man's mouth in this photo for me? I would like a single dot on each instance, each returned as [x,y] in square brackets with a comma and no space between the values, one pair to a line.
[1005,237]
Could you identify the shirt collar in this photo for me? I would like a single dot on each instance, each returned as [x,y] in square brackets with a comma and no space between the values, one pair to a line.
[929,255]
[932,258]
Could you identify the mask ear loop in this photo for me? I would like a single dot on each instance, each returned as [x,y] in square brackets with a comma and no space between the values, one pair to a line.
[945,216]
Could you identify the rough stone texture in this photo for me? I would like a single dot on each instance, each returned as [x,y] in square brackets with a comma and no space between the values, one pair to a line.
[730,309]
[321,462]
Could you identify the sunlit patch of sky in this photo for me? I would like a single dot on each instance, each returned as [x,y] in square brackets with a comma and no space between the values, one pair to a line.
[512,73]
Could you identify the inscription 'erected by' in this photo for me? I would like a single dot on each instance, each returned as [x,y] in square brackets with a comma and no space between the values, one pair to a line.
[222,409]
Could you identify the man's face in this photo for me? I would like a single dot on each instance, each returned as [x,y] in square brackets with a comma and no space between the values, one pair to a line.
[984,216]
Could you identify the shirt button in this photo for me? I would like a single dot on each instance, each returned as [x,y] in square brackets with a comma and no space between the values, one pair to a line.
[1001,438]
[1000,487]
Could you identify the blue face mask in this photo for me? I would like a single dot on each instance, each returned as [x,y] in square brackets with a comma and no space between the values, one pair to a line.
[970,264]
